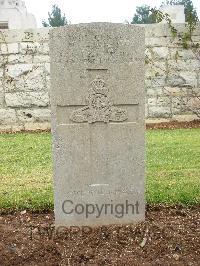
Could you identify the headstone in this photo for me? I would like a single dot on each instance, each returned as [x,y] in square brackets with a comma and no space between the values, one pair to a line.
[176,13]
[98,124]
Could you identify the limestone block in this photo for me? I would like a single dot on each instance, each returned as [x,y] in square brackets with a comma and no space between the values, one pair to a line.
[185,117]
[7,116]
[41,59]
[156,30]
[183,65]
[146,110]
[27,99]
[25,35]
[190,78]
[34,80]
[163,101]
[48,83]
[37,126]
[152,101]
[17,128]
[34,47]
[1,99]
[172,91]
[181,53]
[181,79]
[47,68]
[14,71]
[193,92]
[9,48]
[159,111]
[19,58]
[3,61]
[177,106]
[148,55]
[194,104]
[175,80]
[157,120]
[156,69]
[1,85]
[148,82]
[5,128]
[43,48]
[154,91]
[34,115]
[159,81]
[160,52]
[163,30]
[29,47]
[35,35]
[161,42]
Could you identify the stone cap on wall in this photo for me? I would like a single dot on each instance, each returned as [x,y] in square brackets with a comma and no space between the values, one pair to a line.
[24,35]
[42,34]
[163,30]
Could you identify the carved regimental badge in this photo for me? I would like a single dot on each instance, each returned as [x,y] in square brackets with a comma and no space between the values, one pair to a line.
[99,107]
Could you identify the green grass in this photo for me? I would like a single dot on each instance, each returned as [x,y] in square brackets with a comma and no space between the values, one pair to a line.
[173,169]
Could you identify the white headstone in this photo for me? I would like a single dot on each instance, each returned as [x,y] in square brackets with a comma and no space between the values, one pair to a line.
[98,123]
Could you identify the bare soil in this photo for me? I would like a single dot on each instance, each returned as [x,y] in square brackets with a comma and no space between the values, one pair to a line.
[174,125]
[169,236]
[163,125]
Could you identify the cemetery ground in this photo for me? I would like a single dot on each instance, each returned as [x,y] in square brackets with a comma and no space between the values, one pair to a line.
[169,236]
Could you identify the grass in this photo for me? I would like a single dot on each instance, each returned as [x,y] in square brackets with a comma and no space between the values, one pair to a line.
[173,169]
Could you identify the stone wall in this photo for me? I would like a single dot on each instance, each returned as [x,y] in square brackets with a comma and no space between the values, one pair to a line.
[172,75]
[172,78]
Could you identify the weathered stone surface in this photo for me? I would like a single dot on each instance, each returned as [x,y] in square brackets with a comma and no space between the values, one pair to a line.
[159,111]
[97,96]
[7,116]
[24,64]
[190,78]
[17,70]
[161,42]
[152,101]
[36,115]
[183,65]
[184,118]
[160,52]
[37,126]
[10,48]
[25,78]
[1,99]
[27,99]
[41,59]
[19,58]
[163,101]
[29,47]
[183,54]
[156,69]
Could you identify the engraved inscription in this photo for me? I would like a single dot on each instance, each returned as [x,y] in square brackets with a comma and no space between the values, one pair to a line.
[99,106]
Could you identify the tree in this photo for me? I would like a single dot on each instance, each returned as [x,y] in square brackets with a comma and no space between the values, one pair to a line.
[55,19]
[143,15]
[190,11]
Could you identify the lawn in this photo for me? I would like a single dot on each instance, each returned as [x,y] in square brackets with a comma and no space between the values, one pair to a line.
[173,169]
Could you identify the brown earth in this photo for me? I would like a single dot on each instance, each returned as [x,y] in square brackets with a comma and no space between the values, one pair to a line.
[174,125]
[164,125]
[169,236]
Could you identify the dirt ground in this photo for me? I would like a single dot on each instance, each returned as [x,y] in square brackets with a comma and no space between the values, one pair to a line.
[164,125]
[174,125]
[169,236]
